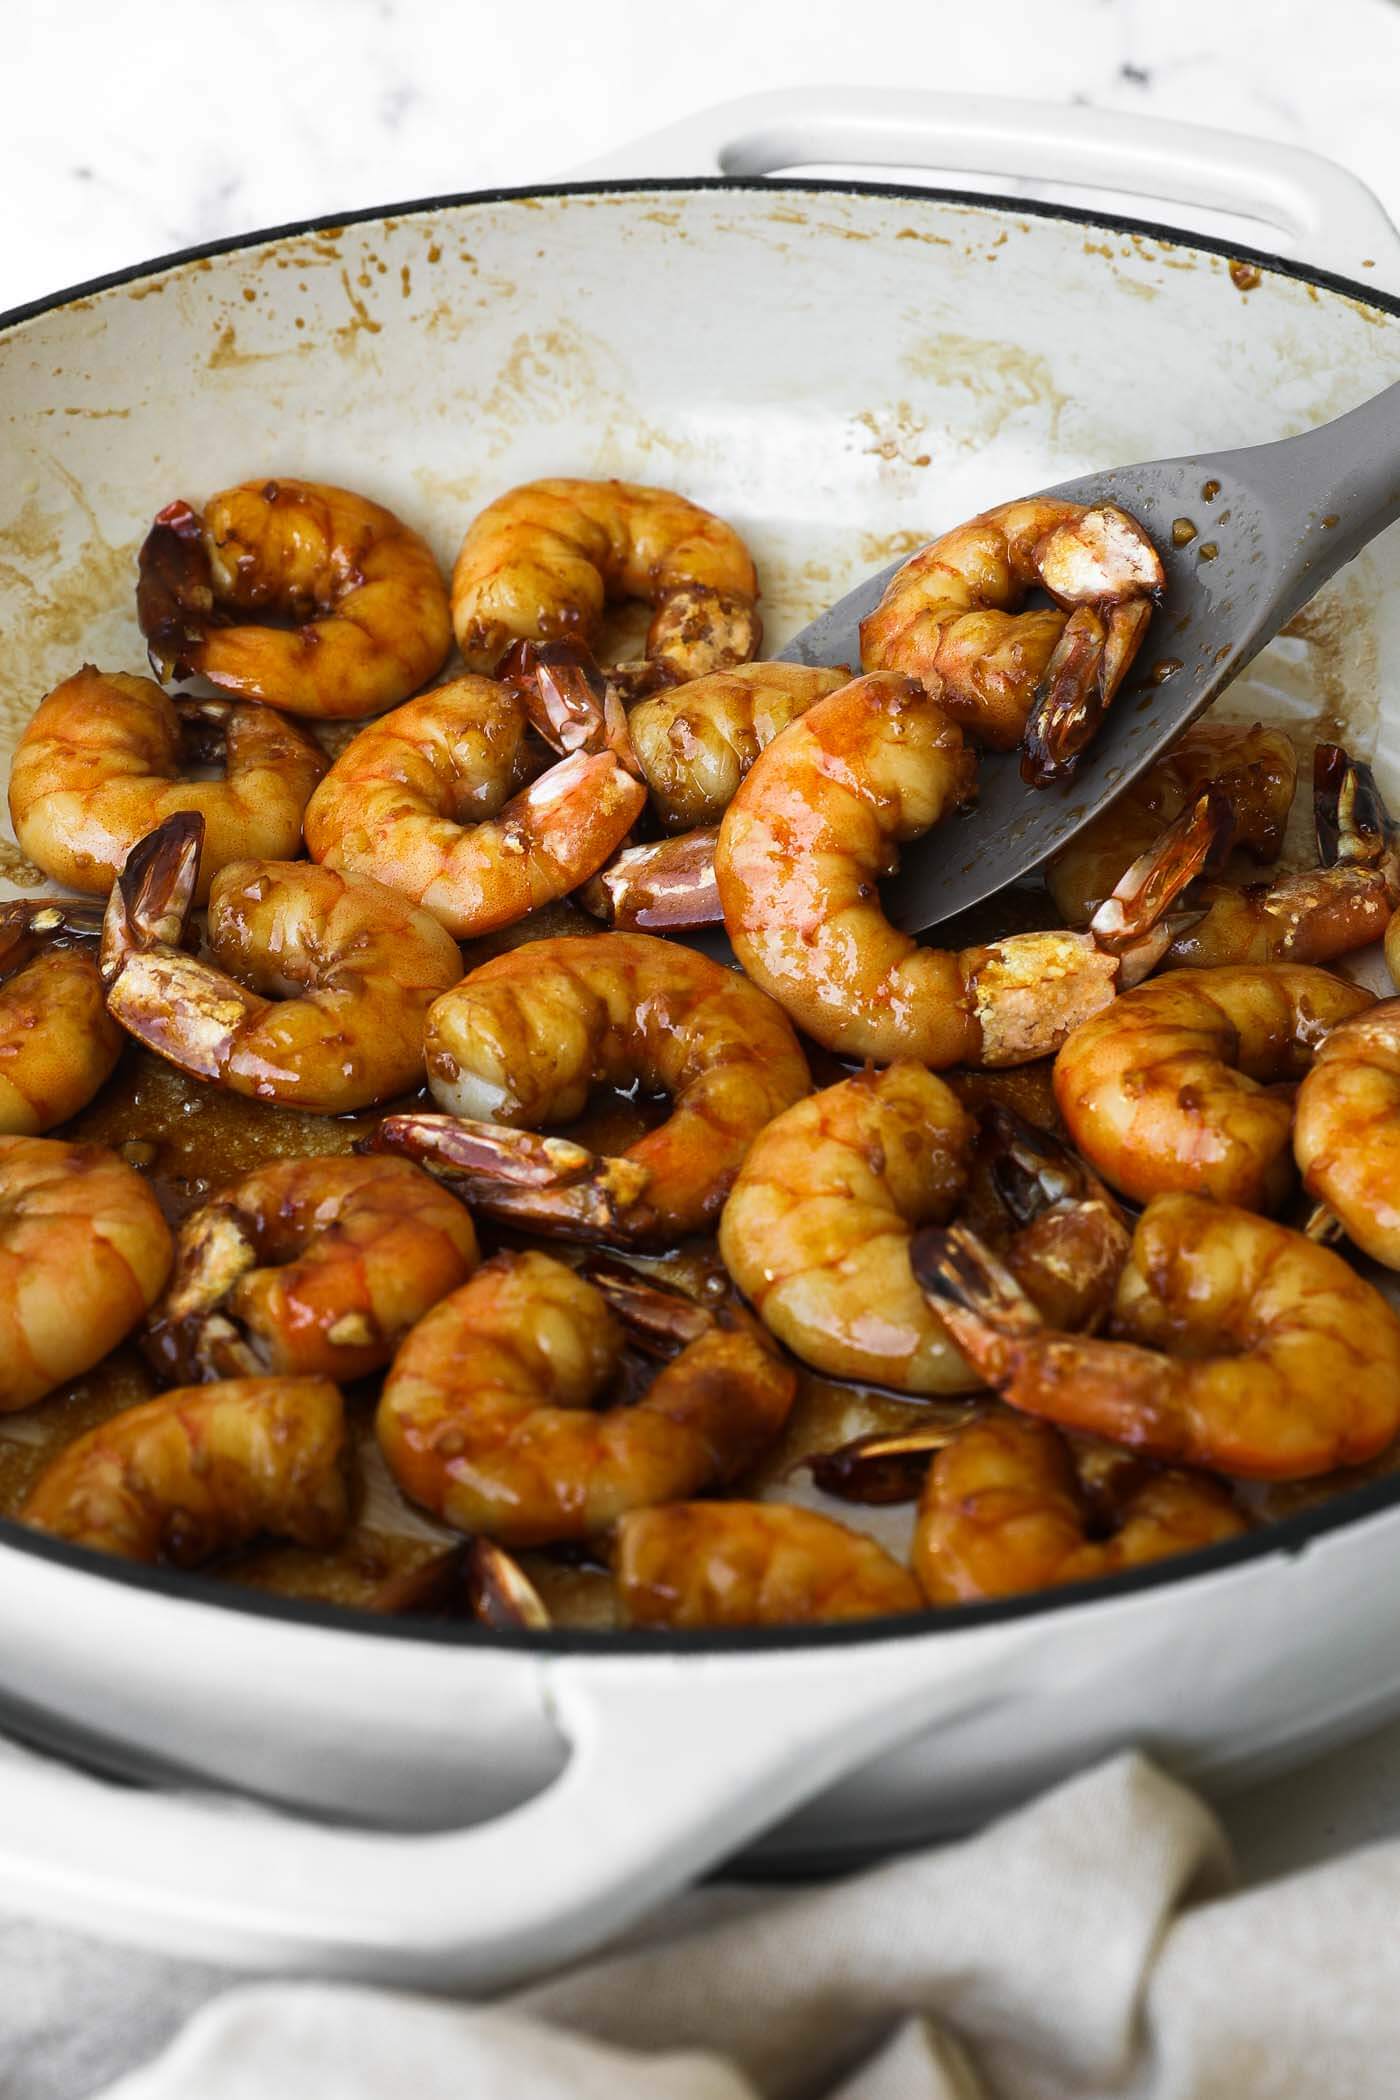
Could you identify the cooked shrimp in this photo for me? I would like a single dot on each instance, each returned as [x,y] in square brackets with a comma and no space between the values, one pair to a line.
[84,1253]
[1317,914]
[816,1232]
[802,848]
[523,1040]
[951,616]
[201,1469]
[106,758]
[487,1417]
[1177,1085]
[541,561]
[309,1266]
[752,1564]
[348,969]
[692,746]
[1003,1512]
[1256,769]
[431,801]
[1246,1348]
[369,611]
[58,1044]
[1346,1131]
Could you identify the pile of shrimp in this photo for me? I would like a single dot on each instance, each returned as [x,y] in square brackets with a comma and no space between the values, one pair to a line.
[592,1225]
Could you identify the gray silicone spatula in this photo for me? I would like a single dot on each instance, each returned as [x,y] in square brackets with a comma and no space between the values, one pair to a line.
[1270,524]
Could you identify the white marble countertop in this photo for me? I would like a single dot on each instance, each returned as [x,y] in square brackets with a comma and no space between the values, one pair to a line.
[135,130]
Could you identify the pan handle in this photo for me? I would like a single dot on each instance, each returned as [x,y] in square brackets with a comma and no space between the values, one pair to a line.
[675,1762]
[1317,209]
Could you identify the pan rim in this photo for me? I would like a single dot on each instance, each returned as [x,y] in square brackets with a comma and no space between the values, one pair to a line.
[1287,1537]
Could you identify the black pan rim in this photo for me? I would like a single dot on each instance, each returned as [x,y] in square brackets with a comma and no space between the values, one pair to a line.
[1288,1538]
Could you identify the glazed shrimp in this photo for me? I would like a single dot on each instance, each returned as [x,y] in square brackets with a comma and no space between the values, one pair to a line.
[431,801]
[1003,1512]
[1346,1131]
[1245,1348]
[541,561]
[802,848]
[951,617]
[1177,1086]
[752,1564]
[487,1416]
[309,1267]
[1255,769]
[348,969]
[105,759]
[202,1469]
[58,1044]
[1318,914]
[370,614]
[523,1040]
[84,1253]
[816,1233]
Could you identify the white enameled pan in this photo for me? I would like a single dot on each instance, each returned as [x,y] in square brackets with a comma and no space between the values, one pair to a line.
[842,369]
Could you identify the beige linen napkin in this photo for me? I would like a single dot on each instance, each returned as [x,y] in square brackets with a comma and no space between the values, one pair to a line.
[1089,1945]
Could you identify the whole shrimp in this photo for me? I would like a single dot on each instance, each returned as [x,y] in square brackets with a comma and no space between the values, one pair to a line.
[816,1233]
[106,758]
[541,561]
[84,1254]
[1003,1511]
[201,1469]
[801,851]
[752,1564]
[488,1414]
[342,972]
[1255,769]
[1346,1131]
[432,801]
[1178,1084]
[952,617]
[1239,1346]
[309,1267]
[58,1044]
[369,615]
[523,1040]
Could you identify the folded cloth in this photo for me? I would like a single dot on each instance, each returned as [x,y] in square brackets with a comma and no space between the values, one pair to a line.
[1091,1945]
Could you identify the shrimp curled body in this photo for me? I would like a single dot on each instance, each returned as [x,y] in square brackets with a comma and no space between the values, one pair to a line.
[369,613]
[342,972]
[694,745]
[58,1044]
[752,1564]
[431,801]
[1176,1085]
[1239,1346]
[105,759]
[540,563]
[802,848]
[1346,1134]
[523,1040]
[487,1417]
[1002,1512]
[201,1469]
[310,1267]
[84,1253]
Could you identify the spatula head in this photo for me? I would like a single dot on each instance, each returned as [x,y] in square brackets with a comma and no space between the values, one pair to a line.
[1222,586]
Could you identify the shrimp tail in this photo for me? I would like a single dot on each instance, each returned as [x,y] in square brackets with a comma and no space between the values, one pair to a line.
[1354,825]
[153,896]
[1077,687]
[1031,1170]
[976,1296]
[550,1184]
[1136,922]
[189,1342]
[667,886]
[660,1318]
[175,591]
